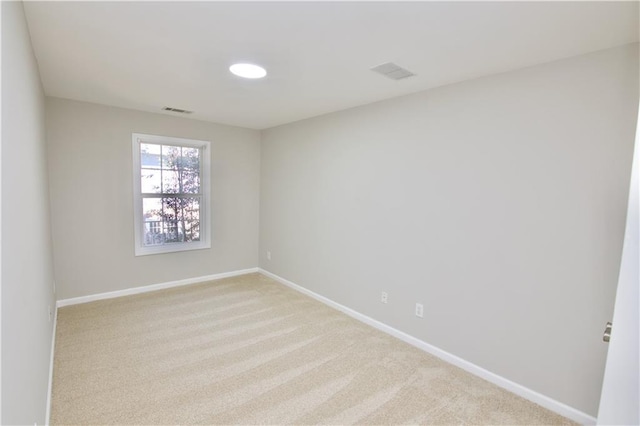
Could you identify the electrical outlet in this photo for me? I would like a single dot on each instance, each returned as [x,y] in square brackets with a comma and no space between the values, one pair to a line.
[419,310]
[384,297]
[268,255]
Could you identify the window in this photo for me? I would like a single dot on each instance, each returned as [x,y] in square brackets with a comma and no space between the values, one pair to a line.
[170,194]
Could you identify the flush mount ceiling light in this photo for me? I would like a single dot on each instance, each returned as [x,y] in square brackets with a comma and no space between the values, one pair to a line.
[248,70]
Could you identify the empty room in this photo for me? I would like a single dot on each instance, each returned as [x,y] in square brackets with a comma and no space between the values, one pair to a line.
[294,213]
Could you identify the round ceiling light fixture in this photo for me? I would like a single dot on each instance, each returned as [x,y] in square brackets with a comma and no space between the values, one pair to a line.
[248,70]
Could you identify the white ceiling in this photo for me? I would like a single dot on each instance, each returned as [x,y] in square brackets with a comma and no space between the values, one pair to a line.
[147,55]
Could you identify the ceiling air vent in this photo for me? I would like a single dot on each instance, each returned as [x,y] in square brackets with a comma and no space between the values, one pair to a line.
[392,71]
[181,111]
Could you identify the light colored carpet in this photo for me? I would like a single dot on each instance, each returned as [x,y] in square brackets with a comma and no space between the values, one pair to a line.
[247,350]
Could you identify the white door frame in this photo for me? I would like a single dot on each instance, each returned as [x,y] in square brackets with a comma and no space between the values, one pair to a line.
[619,401]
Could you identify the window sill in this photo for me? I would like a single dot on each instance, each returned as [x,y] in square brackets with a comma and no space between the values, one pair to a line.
[171,248]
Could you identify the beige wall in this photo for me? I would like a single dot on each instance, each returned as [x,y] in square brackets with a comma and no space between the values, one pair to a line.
[498,203]
[27,272]
[90,170]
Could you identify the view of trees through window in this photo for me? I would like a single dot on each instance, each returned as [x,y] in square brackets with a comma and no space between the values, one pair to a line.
[171,197]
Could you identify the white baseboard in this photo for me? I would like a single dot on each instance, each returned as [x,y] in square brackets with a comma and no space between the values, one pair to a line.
[153,287]
[531,395]
[47,418]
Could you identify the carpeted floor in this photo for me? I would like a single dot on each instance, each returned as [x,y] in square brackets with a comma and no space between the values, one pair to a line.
[247,350]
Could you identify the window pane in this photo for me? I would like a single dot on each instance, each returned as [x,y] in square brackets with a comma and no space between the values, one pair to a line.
[170,182]
[190,181]
[170,211]
[191,217]
[152,215]
[170,157]
[171,231]
[150,181]
[150,156]
[151,209]
[191,158]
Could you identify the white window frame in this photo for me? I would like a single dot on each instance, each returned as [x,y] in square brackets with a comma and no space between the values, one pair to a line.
[205,189]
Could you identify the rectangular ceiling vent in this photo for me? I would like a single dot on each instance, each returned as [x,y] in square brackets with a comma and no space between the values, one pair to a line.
[181,111]
[392,71]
